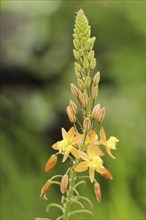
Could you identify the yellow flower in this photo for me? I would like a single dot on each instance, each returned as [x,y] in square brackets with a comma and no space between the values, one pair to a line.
[109,144]
[92,160]
[68,145]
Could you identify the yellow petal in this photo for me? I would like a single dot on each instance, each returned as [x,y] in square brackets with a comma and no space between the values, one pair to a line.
[109,153]
[102,134]
[96,151]
[92,136]
[75,152]
[82,166]
[54,146]
[92,151]
[84,156]
[65,157]
[77,139]
[70,135]
[63,133]
[89,152]
[91,174]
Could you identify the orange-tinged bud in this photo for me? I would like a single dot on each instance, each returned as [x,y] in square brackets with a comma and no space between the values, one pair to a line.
[45,189]
[51,163]
[101,114]
[64,184]
[97,191]
[80,97]
[95,111]
[87,124]
[94,93]
[84,99]
[74,90]
[70,114]
[73,107]
[106,174]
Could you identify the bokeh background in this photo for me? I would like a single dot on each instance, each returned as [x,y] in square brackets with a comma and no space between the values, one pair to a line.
[37,67]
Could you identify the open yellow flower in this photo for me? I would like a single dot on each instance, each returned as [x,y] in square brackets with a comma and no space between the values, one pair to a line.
[109,144]
[68,145]
[92,160]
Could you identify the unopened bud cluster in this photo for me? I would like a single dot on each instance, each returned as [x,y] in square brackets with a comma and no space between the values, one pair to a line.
[86,90]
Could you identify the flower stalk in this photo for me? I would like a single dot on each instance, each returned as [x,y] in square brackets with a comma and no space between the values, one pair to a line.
[81,144]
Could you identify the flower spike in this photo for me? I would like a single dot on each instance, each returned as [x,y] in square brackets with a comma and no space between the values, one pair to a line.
[82,143]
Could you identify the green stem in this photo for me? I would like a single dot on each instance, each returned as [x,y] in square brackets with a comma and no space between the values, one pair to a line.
[69,195]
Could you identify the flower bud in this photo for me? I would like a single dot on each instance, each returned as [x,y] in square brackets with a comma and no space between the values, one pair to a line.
[101,114]
[90,55]
[76,54]
[76,31]
[45,189]
[51,163]
[81,52]
[80,97]
[93,64]
[70,114]
[84,99]
[106,174]
[95,111]
[76,44]
[90,43]
[81,35]
[96,78]
[83,41]
[64,184]
[97,191]
[87,124]
[74,90]
[88,81]
[80,84]
[75,36]
[78,69]
[94,93]
[73,107]
[86,64]
[87,32]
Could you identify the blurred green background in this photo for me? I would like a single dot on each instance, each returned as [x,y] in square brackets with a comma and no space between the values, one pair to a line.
[37,67]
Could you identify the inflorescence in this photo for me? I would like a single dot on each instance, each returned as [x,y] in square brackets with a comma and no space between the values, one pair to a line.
[81,144]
